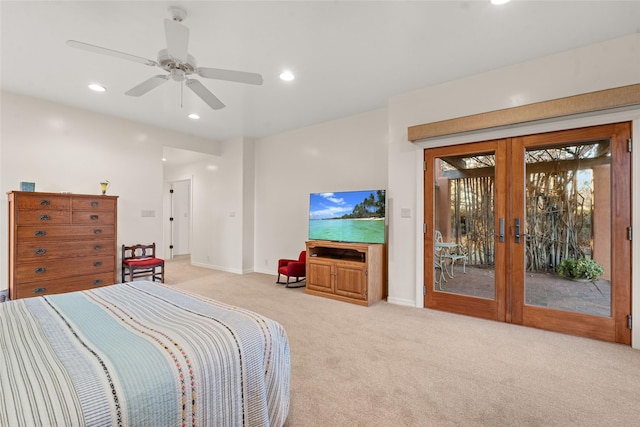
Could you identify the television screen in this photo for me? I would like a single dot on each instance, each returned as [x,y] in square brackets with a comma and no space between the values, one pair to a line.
[348,216]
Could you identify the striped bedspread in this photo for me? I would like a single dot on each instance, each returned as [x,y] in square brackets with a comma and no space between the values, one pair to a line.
[140,354]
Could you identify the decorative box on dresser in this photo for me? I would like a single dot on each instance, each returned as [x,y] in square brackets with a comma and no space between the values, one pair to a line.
[60,242]
[351,272]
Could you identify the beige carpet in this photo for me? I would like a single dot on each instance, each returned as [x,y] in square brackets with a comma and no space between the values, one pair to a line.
[389,365]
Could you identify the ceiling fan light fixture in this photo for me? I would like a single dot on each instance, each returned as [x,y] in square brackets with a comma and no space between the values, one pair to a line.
[287,76]
[193,116]
[97,87]
[499,2]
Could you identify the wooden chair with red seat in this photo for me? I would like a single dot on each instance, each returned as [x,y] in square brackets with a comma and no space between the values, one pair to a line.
[293,268]
[140,261]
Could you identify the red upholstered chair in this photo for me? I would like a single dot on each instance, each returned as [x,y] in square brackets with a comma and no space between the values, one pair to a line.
[293,268]
[141,261]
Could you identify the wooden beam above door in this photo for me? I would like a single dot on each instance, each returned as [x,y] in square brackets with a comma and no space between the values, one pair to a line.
[608,99]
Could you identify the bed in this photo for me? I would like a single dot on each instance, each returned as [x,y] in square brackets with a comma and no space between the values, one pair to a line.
[140,354]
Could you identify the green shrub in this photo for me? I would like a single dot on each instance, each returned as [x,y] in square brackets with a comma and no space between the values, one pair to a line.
[580,269]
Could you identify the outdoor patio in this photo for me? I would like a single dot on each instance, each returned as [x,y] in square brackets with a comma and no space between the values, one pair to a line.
[542,289]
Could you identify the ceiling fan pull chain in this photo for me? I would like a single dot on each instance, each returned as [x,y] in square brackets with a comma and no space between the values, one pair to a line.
[181,93]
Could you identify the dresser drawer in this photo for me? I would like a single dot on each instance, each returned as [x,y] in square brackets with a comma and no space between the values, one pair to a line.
[33,251]
[58,286]
[68,232]
[58,269]
[97,203]
[42,216]
[42,201]
[87,217]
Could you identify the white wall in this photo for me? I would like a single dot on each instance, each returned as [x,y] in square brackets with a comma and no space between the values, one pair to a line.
[248,205]
[65,149]
[220,195]
[345,154]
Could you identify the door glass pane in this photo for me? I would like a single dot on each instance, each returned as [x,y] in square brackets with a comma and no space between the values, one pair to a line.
[568,227]
[464,251]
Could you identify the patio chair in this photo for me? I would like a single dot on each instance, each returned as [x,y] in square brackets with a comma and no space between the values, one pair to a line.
[449,251]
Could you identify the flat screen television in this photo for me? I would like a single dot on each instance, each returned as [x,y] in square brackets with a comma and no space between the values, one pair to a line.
[348,216]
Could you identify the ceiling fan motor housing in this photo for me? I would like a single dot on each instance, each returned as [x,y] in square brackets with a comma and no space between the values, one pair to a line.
[169,64]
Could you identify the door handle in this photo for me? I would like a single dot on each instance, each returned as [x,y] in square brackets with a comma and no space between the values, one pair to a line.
[501,235]
[517,230]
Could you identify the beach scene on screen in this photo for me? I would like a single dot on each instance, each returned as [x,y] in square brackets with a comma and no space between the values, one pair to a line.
[348,216]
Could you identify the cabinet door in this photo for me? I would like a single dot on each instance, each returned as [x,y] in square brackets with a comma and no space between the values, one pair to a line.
[319,276]
[351,280]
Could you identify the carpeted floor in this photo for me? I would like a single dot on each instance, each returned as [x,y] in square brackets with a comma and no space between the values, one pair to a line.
[389,365]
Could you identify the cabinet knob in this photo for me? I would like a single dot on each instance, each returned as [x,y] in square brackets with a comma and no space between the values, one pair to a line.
[45,217]
[40,251]
[39,270]
[97,264]
[45,202]
[39,290]
[97,231]
[97,282]
[95,204]
[97,248]
[94,217]
[40,233]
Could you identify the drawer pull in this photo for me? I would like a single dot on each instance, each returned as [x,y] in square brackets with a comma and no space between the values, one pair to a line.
[39,270]
[97,282]
[97,264]
[97,248]
[45,202]
[95,204]
[39,290]
[40,233]
[40,251]
[97,231]
[45,217]
[94,217]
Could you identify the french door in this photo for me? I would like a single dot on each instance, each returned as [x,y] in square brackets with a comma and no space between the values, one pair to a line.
[507,219]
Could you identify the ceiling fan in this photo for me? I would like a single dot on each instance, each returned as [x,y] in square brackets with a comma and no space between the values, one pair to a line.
[177,62]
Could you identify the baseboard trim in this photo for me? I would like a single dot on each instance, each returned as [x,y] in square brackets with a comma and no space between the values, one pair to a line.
[401,301]
[216,267]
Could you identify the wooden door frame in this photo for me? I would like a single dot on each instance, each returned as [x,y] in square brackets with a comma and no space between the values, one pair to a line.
[511,307]
[612,328]
[479,307]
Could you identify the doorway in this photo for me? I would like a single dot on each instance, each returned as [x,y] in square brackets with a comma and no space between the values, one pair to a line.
[180,217]
[509,220]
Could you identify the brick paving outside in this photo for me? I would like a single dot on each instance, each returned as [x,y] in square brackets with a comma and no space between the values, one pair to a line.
[542,289]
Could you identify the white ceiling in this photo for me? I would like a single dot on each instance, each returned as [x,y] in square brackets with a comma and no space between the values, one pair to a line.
[348,57]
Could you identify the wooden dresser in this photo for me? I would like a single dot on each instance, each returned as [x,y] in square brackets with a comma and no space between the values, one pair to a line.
[60,242]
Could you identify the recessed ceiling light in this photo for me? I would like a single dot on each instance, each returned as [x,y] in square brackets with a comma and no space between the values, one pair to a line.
[164,160]
[287,76]
[97,88]
[500,1]
[193,116]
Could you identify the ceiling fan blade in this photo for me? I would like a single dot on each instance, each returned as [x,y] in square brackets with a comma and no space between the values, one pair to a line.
[147,85]
[111,52]
[230,75]
[204,93]
[177,39]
